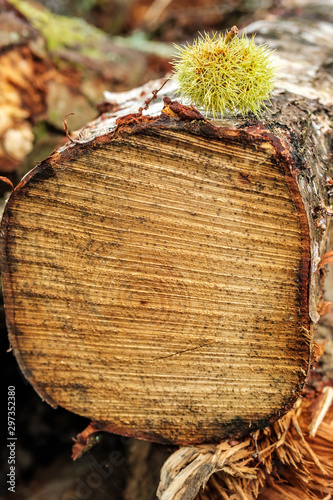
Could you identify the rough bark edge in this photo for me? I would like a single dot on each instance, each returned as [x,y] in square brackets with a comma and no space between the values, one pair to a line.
[182,118]
[295,448]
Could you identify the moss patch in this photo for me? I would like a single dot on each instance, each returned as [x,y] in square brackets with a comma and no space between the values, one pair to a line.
[61,32]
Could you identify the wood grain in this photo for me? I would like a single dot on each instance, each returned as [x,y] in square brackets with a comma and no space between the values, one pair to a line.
[152,285]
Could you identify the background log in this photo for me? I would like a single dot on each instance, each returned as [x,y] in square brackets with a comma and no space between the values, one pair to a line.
[50,64]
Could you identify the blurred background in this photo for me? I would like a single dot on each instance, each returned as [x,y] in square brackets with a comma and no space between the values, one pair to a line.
[58,57]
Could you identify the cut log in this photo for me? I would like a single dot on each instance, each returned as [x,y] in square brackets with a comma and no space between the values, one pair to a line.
[160,270]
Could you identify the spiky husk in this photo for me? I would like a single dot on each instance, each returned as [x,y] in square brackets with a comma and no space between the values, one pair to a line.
[233,76]
[280,462]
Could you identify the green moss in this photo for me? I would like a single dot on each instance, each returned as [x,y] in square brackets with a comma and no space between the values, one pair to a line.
[40,131]
[225,74]
[140,40]
[60,31]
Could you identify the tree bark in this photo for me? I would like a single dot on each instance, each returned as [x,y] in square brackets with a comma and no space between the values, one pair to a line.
[163,271]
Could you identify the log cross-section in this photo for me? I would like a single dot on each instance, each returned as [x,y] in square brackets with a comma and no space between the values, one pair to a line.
[156,278]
